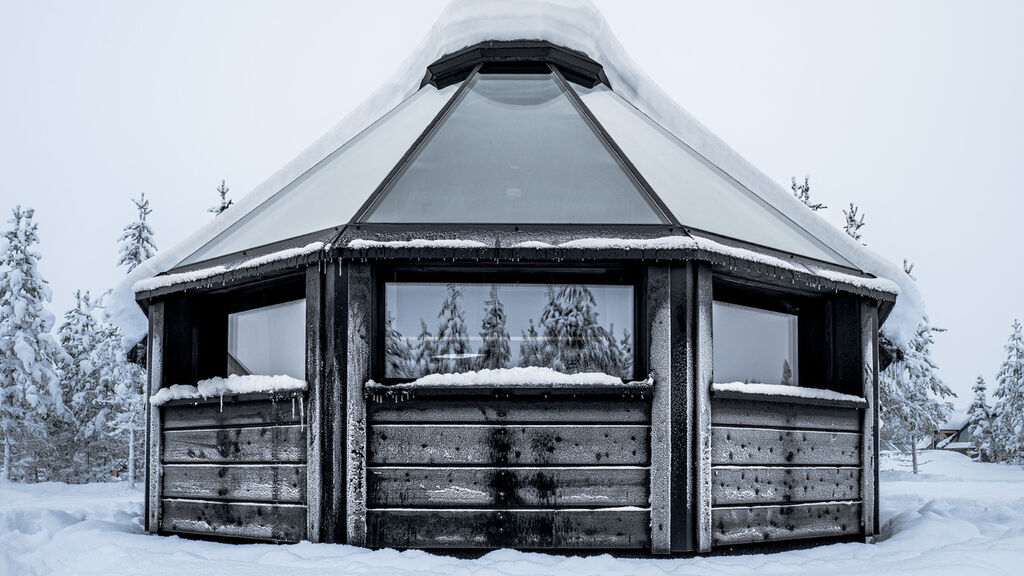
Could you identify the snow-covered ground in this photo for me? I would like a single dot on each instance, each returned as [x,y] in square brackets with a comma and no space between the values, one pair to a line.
[957,517]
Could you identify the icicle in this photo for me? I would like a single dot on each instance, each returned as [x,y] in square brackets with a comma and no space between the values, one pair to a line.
[293,406]
[221,402]
[302,411]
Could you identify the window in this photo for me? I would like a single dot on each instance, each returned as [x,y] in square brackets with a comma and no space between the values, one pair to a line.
[437,327]
[754,345]
[270,340]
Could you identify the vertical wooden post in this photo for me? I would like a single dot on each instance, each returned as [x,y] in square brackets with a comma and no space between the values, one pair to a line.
[314,391]
[335,346]
[869,456]
[154,440]
[683,299]
[703,375]
[360,330]
[659,345]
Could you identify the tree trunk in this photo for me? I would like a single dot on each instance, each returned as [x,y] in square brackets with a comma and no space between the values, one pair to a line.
[131,457]
[913,452]
[7,460]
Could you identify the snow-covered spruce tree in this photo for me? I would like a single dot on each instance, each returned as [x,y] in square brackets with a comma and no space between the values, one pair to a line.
[29,354]
[911,394]
[583,344]
[853,223]
[803,194]
[496,350]
[531,351]
[136,244]
[616,357]
[550,318]
[423,357]
[1008,429]
[225,202]
[122,385]
[979,422]
[398,355]
[83,452]
[626,345]
[452,349]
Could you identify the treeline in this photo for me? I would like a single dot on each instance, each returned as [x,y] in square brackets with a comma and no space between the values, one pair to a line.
[997,432]
[568,338]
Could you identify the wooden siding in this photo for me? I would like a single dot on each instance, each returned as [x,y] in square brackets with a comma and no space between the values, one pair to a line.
[235,470]
[501,478]
[784,471]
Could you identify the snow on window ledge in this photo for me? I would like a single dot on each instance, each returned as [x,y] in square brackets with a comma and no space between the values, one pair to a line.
[519,377]
[234,384]
[782,393]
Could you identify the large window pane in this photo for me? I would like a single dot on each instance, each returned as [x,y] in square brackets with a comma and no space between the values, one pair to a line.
[754,345]
[514,150]
[458,327]
[270,341]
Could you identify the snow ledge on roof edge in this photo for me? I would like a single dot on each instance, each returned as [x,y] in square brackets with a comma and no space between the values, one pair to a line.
[575,24]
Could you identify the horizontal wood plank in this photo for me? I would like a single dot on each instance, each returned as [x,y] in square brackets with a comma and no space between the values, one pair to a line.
[507,487]
[271,444]
[471,410]
[745,525]
[489,445]
[284,483]
[275,522]
[245,413]
[734,486]
[742,413]
[770,447]
[530,529]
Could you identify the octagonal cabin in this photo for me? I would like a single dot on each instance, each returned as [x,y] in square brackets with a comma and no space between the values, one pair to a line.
[523,307]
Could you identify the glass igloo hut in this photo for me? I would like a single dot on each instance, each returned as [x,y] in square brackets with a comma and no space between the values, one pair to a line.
[529,303]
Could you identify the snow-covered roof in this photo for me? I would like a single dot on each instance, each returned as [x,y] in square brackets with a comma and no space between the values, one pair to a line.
[716,188]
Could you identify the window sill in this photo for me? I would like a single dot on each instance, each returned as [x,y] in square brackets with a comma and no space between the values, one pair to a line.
[786,394]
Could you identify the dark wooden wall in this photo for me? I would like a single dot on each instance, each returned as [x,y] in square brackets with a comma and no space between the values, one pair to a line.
[523,471]
[235,469]
[782,471]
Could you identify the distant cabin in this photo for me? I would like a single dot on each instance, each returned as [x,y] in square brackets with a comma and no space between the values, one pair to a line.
[954,435]
[516,311]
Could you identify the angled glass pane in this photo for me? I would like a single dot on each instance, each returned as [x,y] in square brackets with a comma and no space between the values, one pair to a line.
[331,192]
[514,150]
[270,341]
[696,192]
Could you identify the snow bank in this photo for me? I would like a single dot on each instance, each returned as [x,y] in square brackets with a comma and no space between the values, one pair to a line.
[782,390]
[204,273]
[575,24]
[233,384]
[516,377]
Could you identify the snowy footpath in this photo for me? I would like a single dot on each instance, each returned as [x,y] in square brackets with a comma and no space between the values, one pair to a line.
[957,517]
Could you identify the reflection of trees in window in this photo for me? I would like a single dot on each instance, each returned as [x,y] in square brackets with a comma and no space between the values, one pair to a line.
[496,351]
[568,338]
[452,350]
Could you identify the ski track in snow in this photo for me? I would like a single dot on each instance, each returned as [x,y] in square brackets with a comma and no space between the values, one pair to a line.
[957,517]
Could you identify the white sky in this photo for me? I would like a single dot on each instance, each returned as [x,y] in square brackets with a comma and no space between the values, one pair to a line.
[912,110]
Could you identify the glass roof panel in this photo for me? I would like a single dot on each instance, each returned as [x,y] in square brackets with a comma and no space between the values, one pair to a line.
[514,150]
[698,193]
[330,193]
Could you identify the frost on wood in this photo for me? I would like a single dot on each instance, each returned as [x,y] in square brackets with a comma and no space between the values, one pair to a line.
[416,243]
[784,391]
[234,384]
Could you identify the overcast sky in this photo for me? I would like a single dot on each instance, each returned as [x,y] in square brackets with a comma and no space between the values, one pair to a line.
[913,110]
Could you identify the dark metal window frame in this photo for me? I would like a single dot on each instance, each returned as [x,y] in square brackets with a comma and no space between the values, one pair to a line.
[617,274]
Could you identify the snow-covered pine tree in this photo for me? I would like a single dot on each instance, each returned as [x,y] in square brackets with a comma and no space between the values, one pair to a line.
[803,194]
[452,350]
[136,244]
[626,345]
[29,384]
[583,344]
[423,358]
[979,422]
[1008,429]
[398,355]
[853,223]
[496,350]
[122,385]
[82,450]
[225,202]
[531,351]
[911,393]
[616,358]
[550,318]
